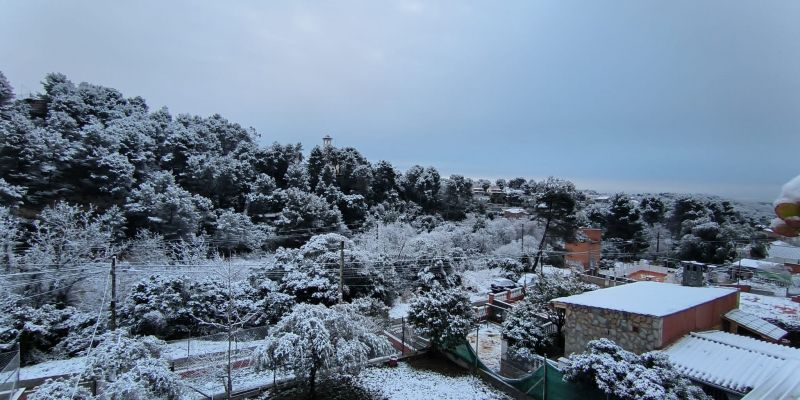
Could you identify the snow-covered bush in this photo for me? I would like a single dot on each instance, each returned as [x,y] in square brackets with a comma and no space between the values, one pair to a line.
[47,332]
[524,329]
[443,315]
[129,368]
[174,307]
[161,205]
[322,244]
[311,283]
[236,232]
[191,250]
[513,269]
[147,247]
[314,339]
[167,296]
[60,389]
[268,302]
[65,236]
[625,375]
[10,235]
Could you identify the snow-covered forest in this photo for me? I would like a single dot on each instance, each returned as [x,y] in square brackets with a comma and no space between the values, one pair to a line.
[208,230]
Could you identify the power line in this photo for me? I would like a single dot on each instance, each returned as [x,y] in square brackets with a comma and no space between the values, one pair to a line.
[45,271]
[91,340]
[54,278]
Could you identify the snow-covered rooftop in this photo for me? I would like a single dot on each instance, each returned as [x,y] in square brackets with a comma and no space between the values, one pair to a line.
[515,210]
[774,309]
[782,251]
[647,298]
[756,264]
[738,363]
[756,324]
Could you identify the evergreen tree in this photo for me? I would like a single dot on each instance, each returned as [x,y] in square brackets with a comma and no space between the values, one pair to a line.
[556,209]
[384,180]
[443,315]
[162,206]
[6,91]
[624,226]
[652,209]
[456,197]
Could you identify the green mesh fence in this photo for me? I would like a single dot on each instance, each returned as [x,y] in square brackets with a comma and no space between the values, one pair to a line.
[545,383]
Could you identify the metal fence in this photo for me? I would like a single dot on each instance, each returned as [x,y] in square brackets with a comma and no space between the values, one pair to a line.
[403,336]
[9,375]
[204,351]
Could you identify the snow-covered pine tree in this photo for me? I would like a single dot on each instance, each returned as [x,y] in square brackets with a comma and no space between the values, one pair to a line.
[443,315]
[313,339]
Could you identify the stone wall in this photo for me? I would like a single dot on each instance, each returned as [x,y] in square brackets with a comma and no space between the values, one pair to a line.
[634,332]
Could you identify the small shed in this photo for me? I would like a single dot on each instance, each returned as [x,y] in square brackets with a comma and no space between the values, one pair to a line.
[642,316]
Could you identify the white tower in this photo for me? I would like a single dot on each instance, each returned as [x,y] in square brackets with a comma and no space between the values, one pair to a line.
[327,141]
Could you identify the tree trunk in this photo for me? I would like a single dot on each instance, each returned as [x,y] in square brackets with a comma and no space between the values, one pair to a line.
[541,243]
[229,386]
[312,380]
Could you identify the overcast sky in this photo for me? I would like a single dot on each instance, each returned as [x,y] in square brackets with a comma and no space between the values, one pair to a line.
[639,95]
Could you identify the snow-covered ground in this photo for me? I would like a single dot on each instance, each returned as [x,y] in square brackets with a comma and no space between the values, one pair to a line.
[52,368]
[408,383]
[770,308]
[171,351]
[242,379]
[180,349]
[533,277]
[490,345]
[478,282]
[399,310]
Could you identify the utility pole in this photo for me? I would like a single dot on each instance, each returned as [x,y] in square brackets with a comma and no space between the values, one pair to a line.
[403,335]
[341,272]
[658,240]
[113,321]
[477,336]
[544,380]
[229,312]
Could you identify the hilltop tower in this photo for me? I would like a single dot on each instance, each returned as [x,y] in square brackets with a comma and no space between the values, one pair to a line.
[327,141]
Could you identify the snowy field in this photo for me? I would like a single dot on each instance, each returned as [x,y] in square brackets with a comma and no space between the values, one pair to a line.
[171,351]
[213,383]
[408,383]
[52,368]
[180,349]
[479,282]
[771,308]
[490,345]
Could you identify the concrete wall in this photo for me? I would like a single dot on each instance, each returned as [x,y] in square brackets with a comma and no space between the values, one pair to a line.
[579,252]
[637,333]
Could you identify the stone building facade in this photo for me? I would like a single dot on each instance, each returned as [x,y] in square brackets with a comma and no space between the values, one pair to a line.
[642,316]
[634,332]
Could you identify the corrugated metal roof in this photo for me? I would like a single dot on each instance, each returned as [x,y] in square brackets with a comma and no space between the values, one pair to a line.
[738,363]
[756,324]
[784,385]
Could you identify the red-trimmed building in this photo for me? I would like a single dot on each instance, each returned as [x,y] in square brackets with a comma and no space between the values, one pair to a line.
[643,316]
